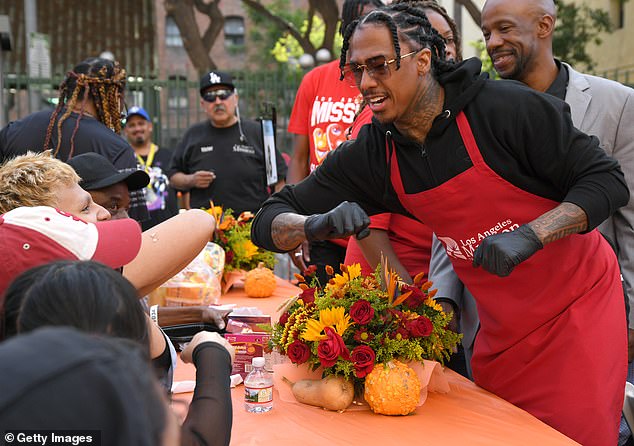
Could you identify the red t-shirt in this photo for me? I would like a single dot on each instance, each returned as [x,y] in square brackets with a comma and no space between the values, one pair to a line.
[324,109]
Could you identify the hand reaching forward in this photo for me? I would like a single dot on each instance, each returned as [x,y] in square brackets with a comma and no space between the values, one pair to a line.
[500,253]
[342,221]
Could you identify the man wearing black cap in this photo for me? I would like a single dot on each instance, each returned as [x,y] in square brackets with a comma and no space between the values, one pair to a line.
[222,159]
[160,197]
[106,184]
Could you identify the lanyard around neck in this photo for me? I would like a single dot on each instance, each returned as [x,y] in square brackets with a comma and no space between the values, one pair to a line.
[150,158]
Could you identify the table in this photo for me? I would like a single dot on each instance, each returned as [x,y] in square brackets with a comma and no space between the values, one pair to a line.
[467,415]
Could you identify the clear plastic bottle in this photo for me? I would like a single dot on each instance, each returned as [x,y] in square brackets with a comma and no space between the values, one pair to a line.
[258,388]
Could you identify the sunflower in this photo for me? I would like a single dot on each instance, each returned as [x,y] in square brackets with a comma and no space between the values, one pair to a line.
[335,318]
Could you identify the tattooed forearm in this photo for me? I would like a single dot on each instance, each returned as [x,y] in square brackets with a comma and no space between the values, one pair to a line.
[566,219]
[287,231]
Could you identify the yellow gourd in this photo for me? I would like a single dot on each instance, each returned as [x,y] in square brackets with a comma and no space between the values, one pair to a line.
[392,389]
[259,282]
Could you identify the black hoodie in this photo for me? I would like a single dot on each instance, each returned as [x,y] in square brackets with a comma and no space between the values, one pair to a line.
[525,136]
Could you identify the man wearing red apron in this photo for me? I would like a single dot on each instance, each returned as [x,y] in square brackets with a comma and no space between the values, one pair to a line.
[514,193]
[513,332]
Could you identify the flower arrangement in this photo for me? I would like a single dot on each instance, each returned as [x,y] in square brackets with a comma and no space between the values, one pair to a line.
[356,322]
[234,236]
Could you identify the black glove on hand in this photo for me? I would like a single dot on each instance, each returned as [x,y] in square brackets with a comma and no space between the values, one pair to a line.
[342,221]
[500,253]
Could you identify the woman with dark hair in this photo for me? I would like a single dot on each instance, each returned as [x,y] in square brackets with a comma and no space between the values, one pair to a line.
[512,190]
[95,299]
[87,295]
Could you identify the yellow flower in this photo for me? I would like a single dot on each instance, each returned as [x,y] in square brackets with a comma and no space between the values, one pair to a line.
[335,318]
[246,249]
[433,304]
[348,273]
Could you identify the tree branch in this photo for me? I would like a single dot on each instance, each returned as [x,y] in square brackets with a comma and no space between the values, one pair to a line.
[305,43]
[329,11]
[182,11]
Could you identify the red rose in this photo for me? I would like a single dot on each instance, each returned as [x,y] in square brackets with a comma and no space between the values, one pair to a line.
[416,299]
[298,352]
[420,327]
[361,312]
[310,271]
[363,358]
[308,296]
[331,348]
[284,318]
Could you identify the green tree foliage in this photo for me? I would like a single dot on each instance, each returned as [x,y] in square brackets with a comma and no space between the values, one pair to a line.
[578,26]
[265,35]
[487,63]
[303,30]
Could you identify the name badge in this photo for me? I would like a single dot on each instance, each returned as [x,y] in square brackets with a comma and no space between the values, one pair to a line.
[207,149]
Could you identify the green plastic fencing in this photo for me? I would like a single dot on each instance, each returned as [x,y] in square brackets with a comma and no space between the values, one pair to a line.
[172,103]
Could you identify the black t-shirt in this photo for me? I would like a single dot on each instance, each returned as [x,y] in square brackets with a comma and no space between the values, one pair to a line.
[29,134]
[239,166]
[160,197]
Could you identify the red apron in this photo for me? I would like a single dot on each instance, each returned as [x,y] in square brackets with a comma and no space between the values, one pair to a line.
[553,338]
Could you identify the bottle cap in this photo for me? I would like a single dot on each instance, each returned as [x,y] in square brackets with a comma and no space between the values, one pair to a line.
[258,362]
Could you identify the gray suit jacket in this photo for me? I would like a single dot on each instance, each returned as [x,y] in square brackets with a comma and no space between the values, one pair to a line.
[605,109]
[599,107]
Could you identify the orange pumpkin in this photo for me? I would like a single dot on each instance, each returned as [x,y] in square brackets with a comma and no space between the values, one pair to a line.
[259,282]
[392,389]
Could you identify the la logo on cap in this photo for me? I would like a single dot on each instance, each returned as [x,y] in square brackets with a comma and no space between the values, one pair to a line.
[214,78]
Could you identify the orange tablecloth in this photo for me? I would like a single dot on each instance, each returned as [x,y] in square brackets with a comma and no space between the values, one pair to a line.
[467,415]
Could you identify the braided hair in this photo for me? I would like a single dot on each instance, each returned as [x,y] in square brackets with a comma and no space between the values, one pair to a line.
[352,10]
[410,24]
[101,81]
[433,5]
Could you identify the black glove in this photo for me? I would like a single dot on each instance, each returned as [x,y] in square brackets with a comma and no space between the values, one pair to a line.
[342,221]
[500,253]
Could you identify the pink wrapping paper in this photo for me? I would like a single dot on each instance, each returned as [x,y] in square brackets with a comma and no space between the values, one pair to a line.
[430,375]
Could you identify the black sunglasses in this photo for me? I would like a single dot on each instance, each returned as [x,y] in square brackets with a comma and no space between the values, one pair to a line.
[211,96]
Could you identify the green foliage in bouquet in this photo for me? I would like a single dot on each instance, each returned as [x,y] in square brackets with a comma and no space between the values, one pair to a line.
[234,235]
[356,322]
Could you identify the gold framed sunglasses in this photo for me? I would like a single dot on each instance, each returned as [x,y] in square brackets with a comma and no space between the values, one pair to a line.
[377,67]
